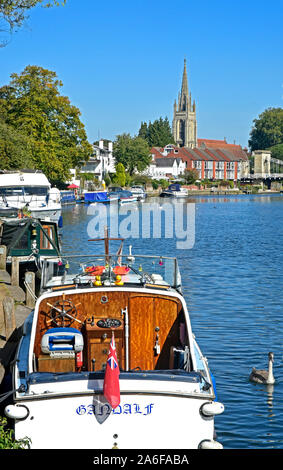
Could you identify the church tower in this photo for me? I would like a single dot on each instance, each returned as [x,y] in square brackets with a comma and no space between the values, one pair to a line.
[184,126]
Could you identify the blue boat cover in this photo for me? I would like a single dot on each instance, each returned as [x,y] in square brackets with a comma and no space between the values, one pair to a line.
[174,187]
[97,196]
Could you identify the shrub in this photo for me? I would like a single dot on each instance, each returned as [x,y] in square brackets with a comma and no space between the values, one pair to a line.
[7,440]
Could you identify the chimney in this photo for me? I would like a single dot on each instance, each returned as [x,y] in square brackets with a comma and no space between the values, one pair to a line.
[101,144]
[110,146]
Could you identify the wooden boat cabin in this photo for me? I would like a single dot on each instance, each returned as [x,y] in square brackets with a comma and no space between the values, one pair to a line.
[75,323]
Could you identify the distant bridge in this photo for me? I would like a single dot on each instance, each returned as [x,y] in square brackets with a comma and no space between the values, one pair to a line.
[265,176]
[266,168]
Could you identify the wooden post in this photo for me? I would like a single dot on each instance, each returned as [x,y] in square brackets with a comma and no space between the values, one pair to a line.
[9,316]
[15,271]
[30,289]
[3,256]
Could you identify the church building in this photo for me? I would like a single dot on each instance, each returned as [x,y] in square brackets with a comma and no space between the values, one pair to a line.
[184,126]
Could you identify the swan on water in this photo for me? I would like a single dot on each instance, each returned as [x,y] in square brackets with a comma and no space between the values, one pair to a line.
[264,376]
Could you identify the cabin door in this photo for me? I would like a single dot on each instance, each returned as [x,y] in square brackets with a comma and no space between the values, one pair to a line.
[153,330]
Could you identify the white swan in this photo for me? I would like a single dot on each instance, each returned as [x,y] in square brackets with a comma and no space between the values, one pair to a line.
[264,376]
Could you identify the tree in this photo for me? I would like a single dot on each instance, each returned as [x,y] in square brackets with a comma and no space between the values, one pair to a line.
[132,152]
[267,130]
[13,13]
[158,133]
[120,176]
[15,149]
[191,176]
[32,106]
[143,132]
[277,151]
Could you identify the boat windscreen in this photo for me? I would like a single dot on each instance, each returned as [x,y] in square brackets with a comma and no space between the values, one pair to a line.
[138,269]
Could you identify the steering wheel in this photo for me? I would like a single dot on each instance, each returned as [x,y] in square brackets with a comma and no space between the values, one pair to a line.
[62,313]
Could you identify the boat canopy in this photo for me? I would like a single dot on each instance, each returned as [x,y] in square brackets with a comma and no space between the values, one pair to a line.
[174,187]
[22,236]
[23,179]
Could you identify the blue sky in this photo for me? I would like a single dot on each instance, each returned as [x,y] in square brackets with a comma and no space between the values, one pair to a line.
[121,62]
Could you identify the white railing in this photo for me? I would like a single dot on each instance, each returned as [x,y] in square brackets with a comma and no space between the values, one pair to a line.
[264,175]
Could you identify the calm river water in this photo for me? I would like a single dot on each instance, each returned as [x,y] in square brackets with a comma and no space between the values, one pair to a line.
[233,282]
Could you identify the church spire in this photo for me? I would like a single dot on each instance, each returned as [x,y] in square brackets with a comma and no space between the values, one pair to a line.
[185,89]
[184,101]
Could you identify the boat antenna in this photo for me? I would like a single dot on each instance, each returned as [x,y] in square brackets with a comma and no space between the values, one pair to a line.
[106,243]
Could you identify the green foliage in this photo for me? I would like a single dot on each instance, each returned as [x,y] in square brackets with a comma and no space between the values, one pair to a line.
[163,183]
[107,180]
[267,130]
[158,133]
[132,152]
[7,440]
[54,135]
[13,13]
[15,149]
[155,184]
[120,177]
[191,176]
[141,179]
[277,151]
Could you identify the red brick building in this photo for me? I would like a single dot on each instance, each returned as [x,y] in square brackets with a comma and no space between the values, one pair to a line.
[213,159]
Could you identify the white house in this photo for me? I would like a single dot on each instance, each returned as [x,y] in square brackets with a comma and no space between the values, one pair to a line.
[165,168]
[101,163]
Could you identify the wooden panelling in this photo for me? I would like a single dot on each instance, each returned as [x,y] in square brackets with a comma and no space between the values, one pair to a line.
[165,318]
[98,340]
[149,316]
[48,364]
[151,321]
[141,332]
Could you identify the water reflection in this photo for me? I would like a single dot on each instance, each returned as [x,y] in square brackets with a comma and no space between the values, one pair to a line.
[269,391]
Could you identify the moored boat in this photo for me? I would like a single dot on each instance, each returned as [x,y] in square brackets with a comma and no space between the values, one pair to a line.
[138,191]
[119,313]
[174,190]
[95,196]
[29,190]
[29,240]
[126,197]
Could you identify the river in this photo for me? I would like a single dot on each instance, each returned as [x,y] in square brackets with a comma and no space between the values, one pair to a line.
[231,270]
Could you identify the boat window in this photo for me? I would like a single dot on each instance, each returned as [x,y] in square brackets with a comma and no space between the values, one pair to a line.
[27,190]
[11,191]
[36,190]
[44,242]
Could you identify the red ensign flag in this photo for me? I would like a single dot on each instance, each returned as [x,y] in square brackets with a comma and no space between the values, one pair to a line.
[111,386]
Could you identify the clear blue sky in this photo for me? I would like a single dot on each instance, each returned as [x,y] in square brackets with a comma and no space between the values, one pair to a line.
[121,62]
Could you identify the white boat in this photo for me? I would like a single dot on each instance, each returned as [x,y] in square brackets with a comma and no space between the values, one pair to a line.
[126,197]
[166,396]
[30,190]
[139,192]
[122,196]
[174,190]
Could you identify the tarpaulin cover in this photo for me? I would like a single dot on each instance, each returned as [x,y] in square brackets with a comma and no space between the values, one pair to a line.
[93,197]
[11,232]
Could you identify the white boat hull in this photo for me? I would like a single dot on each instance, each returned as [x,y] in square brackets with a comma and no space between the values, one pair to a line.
[127,200]
[140,421]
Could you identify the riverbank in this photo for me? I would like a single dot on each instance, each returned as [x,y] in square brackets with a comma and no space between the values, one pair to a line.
[13,312]
[208,192]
